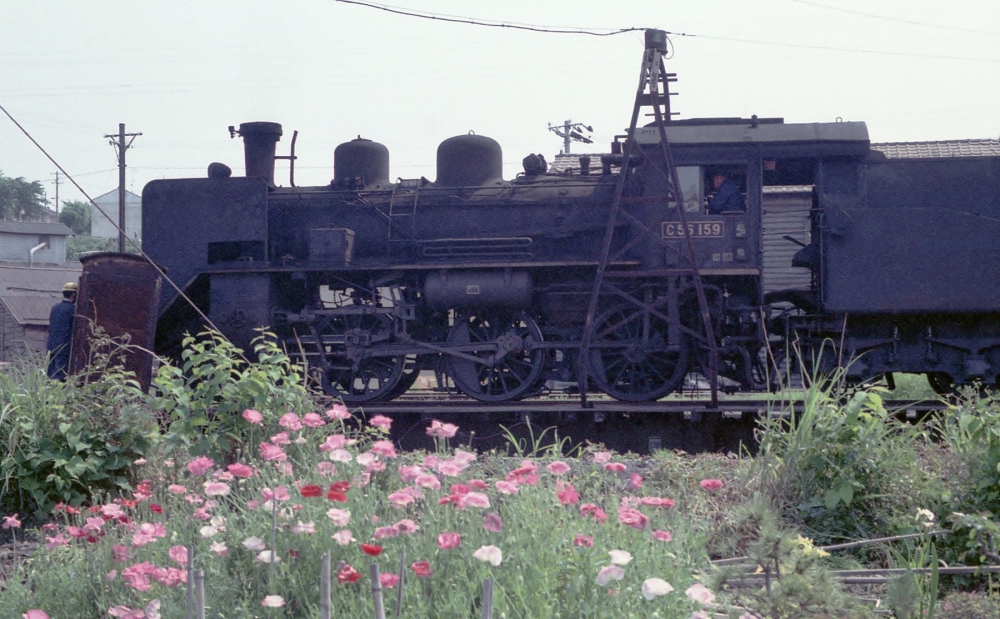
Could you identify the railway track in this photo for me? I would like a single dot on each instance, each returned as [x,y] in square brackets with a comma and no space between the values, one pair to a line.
[691,423]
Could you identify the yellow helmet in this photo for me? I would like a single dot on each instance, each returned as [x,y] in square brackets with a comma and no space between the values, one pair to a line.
[71,287]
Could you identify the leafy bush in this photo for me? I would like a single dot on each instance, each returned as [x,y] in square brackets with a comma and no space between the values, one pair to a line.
[202,400]
[843,467]
[66,441]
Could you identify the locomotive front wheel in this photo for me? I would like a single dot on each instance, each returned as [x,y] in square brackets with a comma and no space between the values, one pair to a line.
[510,365]
[349,370]
[631,358]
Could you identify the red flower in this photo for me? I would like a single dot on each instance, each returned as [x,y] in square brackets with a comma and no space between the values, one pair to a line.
[371,549]
[348,574]
[340,486]
[156,508]
[422,569]
[339,497]
[311,490]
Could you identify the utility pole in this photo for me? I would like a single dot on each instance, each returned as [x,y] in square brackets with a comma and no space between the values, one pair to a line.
[57,192]
[120,148]
[570,131]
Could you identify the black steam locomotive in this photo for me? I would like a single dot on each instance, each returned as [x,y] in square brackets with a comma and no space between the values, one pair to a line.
[614,274]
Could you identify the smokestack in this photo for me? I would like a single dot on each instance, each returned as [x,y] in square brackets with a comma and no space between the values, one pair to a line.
[260,141]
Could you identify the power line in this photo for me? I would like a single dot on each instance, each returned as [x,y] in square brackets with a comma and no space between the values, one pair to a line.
[492,24]
[895,19]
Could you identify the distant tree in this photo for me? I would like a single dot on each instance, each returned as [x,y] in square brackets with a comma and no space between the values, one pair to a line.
[79,245]
[21,200]
[76,214]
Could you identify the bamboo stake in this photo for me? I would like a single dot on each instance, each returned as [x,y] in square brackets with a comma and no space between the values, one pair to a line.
[199,592]
[189,611]
[402,573]
[488,598]
[274,556]
[324,587]
[377,591]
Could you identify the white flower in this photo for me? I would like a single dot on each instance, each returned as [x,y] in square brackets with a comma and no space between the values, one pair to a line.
[254,543]
[208,531]
[266,556]
[700,593]
[343,537]
[609,573]
[655,587]
[489,554]
[273,601]
[620,557]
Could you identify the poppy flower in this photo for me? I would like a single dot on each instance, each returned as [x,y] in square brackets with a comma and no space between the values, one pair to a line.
[441,430]
[422,569]
[489,554]
[339,497]
[711,484]
[340,486]
[311,491]
[655,587]
[371,550]
[381,422]
[273,601]
[492,522]
[609,573]
[253,416]
[348,574]
[389,581]
[449,540]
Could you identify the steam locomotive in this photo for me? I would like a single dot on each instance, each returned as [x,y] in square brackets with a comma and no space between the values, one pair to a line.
[612,275]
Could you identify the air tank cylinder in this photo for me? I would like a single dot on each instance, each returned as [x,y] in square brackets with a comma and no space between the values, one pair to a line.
[504,289]
[469,161]
[361,159]
[260,142]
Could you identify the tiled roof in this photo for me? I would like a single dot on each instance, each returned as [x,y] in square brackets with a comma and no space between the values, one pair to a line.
[939,150]
[30,292]
[35,227]
[563,162]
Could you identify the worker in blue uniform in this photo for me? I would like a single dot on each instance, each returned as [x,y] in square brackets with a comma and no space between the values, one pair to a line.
[61,332]
[727,195]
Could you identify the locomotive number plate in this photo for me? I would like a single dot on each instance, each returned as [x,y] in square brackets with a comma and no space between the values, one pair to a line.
[696,229]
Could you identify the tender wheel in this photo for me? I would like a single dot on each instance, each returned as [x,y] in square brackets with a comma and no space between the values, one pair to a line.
[349,369]
[631,358]
[411,372]
[508,367]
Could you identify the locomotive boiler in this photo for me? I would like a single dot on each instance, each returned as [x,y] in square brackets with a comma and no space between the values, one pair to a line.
[614,275]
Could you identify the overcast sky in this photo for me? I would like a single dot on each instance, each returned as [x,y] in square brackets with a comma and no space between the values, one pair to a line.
[181,72]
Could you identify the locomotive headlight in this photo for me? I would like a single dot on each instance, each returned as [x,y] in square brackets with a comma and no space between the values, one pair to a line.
[741,230]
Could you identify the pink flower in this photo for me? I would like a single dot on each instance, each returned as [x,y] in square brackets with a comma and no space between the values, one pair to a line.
[219,548]
[240,470]
[290,421]
[253,416]
[663,536]
[474,499]
[381,422]
[464,458]
[558,468]
[422,569]
[268,556]
[327,469]
[593,510]
[399,500]
[216,488]
[338,411]
[584,541]
[179,554]
[711,484]
[343,537]
[254,543]
[388,580]
[492,522]
[57,541]
[340,517]
[199,466]
[348,574]
[568,495]
[35,614]
[441,430]
[478,484]
[383,532]
[406,526]
[602,456]
[451,468]
[313,420]
[273,601]
[614,467]
[303,528]
[409,473]
[280,439]
[609,573]
[176,489]
[653,501]
[428,481]
[699,593]
[124,612]
[632,517]
[449,540]
[384,449]
[340,455]
[653,588]
[279,494]
[620,557]
[634,481]
[506,487]
[272,453]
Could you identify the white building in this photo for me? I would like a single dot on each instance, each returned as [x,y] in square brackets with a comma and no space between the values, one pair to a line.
[103,227]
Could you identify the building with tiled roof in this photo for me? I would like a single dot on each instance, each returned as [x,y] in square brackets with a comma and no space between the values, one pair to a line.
[939,150]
